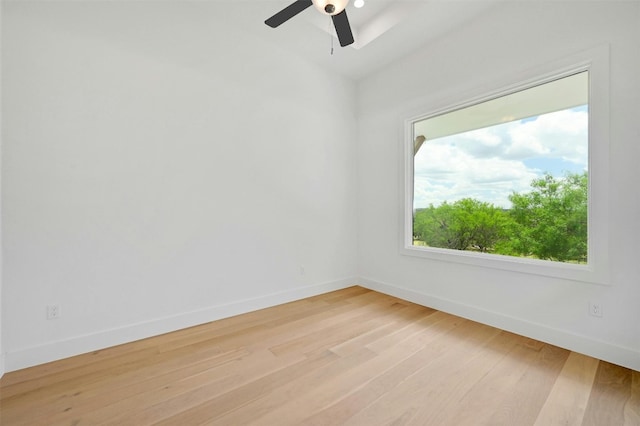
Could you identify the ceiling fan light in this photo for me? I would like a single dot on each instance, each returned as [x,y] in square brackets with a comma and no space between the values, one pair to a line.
[325,6]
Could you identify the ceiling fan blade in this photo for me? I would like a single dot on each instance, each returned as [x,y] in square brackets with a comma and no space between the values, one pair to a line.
[343,29]
[288,12]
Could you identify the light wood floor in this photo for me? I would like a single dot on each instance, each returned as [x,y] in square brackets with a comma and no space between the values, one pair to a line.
[352,357]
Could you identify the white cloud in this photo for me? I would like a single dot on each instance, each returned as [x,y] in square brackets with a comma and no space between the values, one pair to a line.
[488,164]
[560,134]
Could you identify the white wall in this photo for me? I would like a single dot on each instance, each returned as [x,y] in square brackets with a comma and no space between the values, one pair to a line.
[512,37]
[1,346]
[163,169]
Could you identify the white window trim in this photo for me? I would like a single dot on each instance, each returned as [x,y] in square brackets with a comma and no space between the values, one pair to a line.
[596,61]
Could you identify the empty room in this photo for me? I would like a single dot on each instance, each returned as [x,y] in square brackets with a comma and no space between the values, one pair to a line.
[278,212]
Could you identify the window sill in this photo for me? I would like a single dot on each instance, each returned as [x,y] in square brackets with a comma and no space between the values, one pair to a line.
[568,271]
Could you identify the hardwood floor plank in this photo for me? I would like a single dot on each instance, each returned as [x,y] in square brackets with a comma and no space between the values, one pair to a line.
[337,333]
[296,389]
[409,330]
[226,341]
[461,378]
[611,392]
[348,357]
[371,391]
[110,374]
[523,404]
[358,387]
[632,407]
[341,296]
[399,319]
[229,401]
[173,398]
[60,381]
[487,395]
[567,402]
[422,387]
[115,396]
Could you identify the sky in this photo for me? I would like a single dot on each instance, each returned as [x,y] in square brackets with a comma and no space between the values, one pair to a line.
[489,164]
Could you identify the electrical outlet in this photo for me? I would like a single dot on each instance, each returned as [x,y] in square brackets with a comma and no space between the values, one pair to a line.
[595,309]
[53,311]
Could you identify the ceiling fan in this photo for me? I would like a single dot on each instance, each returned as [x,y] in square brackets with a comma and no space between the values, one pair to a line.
[333,8]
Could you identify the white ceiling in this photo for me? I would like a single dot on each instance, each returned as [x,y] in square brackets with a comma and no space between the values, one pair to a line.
[384,30]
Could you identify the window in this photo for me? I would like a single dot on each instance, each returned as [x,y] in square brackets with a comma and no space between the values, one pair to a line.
[511,180]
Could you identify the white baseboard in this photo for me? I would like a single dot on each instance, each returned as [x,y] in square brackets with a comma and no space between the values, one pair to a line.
[605,351]
[53,351]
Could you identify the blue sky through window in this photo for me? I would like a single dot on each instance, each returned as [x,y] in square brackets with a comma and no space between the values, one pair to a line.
[490,163]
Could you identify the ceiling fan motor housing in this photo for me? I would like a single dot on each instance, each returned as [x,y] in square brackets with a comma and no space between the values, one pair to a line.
[330,7]
[333,8]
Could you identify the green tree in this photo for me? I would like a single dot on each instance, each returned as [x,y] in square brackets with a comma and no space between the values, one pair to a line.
[550,222]
[434,226]
[486,223]
[463,225]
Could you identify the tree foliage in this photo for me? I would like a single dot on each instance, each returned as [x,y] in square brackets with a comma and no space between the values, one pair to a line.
[465,224]
[551,220]
[548,222]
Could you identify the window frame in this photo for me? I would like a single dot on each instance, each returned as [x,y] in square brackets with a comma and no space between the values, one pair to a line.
[596,271]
